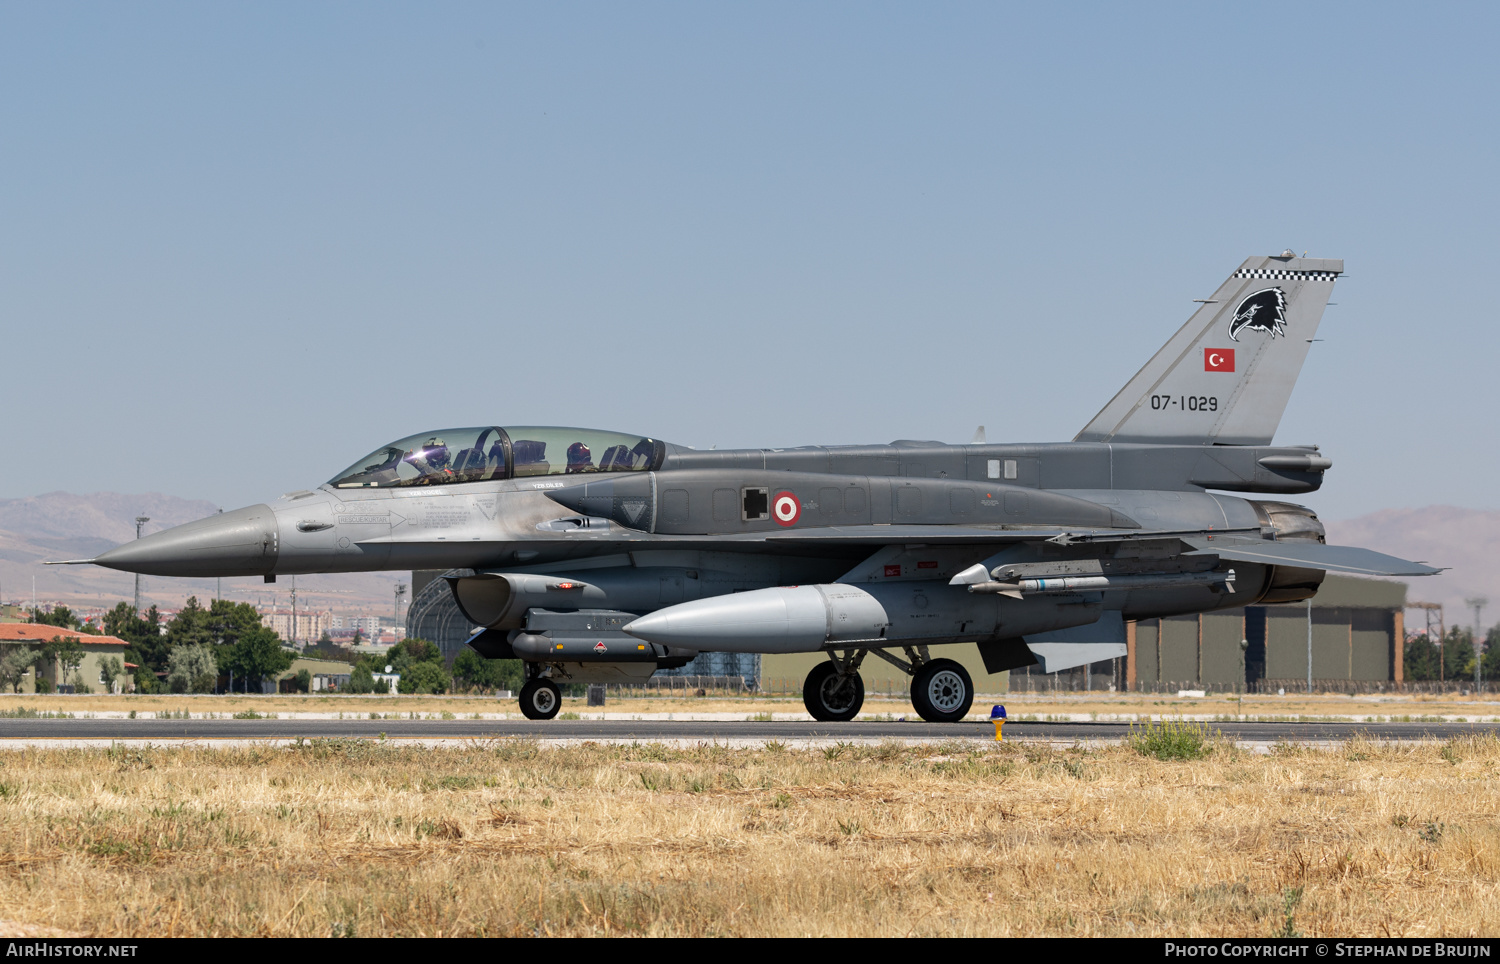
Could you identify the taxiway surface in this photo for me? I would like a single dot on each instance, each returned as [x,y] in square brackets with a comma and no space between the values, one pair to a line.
[14,733]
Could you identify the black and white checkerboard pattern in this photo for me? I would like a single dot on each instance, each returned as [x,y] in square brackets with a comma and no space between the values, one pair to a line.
[1282,274]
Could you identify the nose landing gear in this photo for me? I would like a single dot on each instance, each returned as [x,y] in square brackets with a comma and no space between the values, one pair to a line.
[833,691]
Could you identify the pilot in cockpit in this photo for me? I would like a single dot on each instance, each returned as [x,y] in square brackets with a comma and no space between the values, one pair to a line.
[580,459]
[432,460]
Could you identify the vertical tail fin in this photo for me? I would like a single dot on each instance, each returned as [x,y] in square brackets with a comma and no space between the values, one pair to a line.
[1227,374]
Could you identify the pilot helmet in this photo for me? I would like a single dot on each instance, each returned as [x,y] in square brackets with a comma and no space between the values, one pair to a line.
[578,454]
[435,451]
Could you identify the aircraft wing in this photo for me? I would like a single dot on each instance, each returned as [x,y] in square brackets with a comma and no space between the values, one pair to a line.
[963,535]
[1311,555]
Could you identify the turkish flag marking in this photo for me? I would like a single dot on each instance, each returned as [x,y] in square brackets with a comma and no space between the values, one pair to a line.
[1218,359]
[892,571]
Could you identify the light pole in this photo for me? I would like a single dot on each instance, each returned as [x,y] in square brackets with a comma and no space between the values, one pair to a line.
[396,612]
[140,520]
[1309,644]
[1478,602]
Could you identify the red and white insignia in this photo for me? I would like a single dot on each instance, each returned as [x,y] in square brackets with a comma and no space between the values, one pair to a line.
[786,508]
[599,647]
[1218,359]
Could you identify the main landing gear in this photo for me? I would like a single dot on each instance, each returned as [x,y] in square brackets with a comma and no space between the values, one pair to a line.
[941,689]
[540,699]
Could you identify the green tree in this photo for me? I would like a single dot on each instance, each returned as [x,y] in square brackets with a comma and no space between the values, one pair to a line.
[60,616]
[411,651]
[425,678]
[191,626]
[1458,654]
[230,621]
[361,680]
[64,654]
[303,680]
[191,669]
[122,622]
[1489,663]
[359,635]
[1420,658]
[15,663]
[110,669]
[149,648]
[146,681]
[258,655]
[473,671]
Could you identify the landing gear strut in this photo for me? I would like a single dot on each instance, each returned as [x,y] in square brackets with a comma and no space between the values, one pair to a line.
[941,691]
[833,691]
[540,699]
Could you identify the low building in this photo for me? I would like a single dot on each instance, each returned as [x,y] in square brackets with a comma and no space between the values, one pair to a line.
[1353,630]
[329,675]
[95,652]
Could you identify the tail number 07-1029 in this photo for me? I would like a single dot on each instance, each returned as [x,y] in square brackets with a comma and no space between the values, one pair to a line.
[1184,403]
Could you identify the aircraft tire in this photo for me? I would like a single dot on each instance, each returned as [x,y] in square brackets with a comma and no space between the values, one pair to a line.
[942,692]
[831,698]
[540,700]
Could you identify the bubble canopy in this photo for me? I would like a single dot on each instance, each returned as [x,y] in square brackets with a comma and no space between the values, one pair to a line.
[455,455]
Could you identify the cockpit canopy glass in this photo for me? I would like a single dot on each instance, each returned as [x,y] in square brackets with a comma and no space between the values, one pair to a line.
[486,453]
[543,450]
[432,458]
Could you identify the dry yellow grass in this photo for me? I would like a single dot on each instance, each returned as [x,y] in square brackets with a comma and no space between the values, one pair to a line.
[511,837]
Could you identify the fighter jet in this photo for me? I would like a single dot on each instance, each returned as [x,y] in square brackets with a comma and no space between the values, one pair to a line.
[600,556]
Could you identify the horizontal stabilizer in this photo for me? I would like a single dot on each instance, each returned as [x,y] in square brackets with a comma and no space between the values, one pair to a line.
[1079,645]
[1313,555]
[1055,657]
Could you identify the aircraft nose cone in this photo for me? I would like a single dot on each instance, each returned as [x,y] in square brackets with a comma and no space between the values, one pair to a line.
[244,542]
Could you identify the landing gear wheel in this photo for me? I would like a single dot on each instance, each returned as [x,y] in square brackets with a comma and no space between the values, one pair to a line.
[540,700]
[942,691]
[832,698]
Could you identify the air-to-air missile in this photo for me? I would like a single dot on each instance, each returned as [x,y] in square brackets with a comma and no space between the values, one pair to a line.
[600,556]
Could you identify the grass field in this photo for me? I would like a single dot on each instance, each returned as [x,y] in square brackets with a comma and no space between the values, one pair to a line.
[515,838]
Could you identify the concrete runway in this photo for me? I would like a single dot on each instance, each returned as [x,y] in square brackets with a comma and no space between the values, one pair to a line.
[15,734]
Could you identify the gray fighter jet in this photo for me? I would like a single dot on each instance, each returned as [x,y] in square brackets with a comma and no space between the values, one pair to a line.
[600,556]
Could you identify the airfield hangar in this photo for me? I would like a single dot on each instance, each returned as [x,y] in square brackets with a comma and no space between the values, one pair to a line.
[1356,628]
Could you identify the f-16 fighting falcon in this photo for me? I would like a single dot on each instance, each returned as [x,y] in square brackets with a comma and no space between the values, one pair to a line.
[597,556]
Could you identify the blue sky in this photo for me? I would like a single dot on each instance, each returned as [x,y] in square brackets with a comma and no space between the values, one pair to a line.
[243,244]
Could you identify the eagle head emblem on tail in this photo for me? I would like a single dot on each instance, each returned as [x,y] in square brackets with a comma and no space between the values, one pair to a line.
[1263,311]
